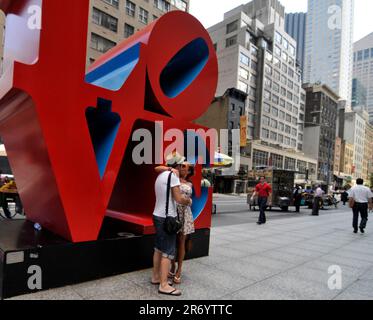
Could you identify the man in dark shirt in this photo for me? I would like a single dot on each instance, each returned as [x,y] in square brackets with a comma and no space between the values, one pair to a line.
[263,190]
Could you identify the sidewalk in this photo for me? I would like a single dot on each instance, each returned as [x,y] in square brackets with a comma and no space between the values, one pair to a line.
[284,259]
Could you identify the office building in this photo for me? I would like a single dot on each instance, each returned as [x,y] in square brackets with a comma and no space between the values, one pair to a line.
[226,112]
[363,70]
[329,45]
[354,134]
[258,57]
[295,25]
[114,20]
[359,95]
[321,128]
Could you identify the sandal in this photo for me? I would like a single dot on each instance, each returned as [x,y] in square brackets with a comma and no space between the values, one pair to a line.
[171,275]
[175,292]
[177,280]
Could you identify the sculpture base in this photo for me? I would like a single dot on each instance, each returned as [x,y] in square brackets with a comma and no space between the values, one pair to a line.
[59,262]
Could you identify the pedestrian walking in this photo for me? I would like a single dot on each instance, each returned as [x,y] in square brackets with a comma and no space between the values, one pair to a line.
[344,196]
[297,198]
[316,200]
[263,191]
[360,199]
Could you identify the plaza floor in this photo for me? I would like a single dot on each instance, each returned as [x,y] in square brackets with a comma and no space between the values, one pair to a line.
[284,259]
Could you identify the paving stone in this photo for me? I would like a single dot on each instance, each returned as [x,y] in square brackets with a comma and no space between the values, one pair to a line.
[363,287]
[284,259]
[65,293]
[248,271]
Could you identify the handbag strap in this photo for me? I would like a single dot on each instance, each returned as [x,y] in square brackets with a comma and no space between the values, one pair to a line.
[168,192]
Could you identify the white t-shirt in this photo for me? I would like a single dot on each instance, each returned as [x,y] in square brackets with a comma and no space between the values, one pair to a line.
[161,195]
[360,194]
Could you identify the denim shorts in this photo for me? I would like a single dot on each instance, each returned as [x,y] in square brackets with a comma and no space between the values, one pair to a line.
[164,243]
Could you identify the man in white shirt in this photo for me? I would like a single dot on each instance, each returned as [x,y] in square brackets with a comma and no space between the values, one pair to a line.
[360,198]
[165,244]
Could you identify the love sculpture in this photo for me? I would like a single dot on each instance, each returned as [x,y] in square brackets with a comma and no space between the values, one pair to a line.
[68,133]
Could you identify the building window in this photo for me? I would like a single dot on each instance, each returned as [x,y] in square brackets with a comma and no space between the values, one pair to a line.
[290,84]
[287,141]
[277,160]
[284,68]
[162,5]
[277,51]
[251,104]
[283,91]
[290,163]
[252,79]
[100,43]
[269,56]
[276,87]
[254,65]
[266,121]
[143,16]
[128,30]
[253,51]
[233,26]
[273,136]
[302,166]
[114,3]
[275,99]
[268,69]
[285,43]
[283,80]
[266,107]
[366,54]
[180,4]
[230,41]
[281,140]
[274,124]
[244,73]
[267,83]
[260,158]
[243,86]
[105,20]
[252,92]
[274,111]
[360,55]
[130,8]
[277,62]
[244,59]
[265,134]
[278,38]
[276,75]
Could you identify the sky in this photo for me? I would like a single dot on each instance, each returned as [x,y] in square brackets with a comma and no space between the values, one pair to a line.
[210,12]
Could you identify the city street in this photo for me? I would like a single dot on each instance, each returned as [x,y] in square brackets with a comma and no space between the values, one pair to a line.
[288,258]
[233,210]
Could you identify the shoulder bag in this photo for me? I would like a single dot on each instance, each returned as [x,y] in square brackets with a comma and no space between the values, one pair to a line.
[172,225]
